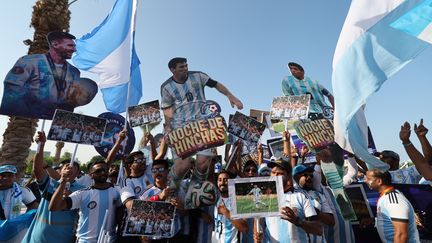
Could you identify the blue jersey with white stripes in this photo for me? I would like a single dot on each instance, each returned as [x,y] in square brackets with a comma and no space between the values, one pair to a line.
[93,204]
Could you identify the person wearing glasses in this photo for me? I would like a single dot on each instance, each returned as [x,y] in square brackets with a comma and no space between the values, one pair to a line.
[303,176]
[137,180]
[92,203]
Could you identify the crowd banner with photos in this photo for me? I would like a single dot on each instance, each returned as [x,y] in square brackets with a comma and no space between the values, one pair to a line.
[334,180]
[147,218]
[292,107]
[76,128]
[38,97]
[198,135]
[317,134]
[146,113]
[298,145]
[258,115]
[115,125]
[245,127]
[359,201]
[256,197]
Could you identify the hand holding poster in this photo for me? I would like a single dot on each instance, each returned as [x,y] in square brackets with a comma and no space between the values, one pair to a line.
[255,196]
[245,127]
[146,113]
[290,107]
[317,134]
[76,128]
[198,135]
[150,219]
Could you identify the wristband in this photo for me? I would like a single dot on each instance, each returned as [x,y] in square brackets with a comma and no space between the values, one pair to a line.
[154,198]
[406,144]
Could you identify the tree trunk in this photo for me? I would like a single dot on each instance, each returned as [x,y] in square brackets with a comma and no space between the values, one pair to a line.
[48,15]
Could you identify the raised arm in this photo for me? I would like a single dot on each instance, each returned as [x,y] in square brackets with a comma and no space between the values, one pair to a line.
[150,139]
[38,164]
[57,202]
[421,132]
[416,157]
[116,147]
[233,100]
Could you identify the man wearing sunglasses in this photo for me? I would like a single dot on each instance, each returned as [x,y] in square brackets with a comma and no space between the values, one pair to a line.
[137,180]
[303,175]
[91,202]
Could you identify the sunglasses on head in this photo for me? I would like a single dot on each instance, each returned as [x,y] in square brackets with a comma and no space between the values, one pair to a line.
[156,170]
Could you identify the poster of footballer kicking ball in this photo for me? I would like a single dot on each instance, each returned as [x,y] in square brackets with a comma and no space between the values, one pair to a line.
[255,197]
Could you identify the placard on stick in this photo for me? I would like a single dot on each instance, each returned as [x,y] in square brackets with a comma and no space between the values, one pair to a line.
[317,134]
[290,107]
[146,113]
[76,128]
[245,127]
[255,197]
[149,218]
[198,135]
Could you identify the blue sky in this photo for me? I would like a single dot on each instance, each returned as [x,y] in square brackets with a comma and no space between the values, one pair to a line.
[244,44]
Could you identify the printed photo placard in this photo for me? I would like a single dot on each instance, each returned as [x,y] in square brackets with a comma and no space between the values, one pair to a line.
[357,196]
[76,128]
[149,218]
[245,127]
[255,197]
[146,113]
[292,107]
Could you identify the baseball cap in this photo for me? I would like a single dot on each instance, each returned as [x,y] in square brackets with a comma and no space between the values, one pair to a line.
[299,169]
[8,168]
[391,154]
[264,170]
[279,162]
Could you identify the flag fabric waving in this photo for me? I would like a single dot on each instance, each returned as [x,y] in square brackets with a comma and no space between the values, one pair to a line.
[417,22]
[368,52]
[109,51]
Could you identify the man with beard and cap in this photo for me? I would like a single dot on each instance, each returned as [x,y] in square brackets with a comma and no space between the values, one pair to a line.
[395,220]
[92,202]
[226,229]
[303,175]
[298,214]
[299,84]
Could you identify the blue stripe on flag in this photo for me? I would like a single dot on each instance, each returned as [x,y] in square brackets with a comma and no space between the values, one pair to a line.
[416,20]
[12,227]
[376,55]
[95,46]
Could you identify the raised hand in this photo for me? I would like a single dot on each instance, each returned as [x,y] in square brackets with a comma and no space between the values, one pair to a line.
[405,133]
[420,130]
[40,137]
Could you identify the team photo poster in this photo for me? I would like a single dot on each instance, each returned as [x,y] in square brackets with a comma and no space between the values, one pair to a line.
[255,197]
[76,128]
[291,107]
[245,127]
[148,218]
[146,113]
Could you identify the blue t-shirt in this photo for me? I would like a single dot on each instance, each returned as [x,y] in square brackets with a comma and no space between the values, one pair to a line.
[52,226]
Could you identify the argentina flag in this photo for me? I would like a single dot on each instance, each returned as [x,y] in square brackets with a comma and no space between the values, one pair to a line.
[109,51]
[368,52]
[13,230]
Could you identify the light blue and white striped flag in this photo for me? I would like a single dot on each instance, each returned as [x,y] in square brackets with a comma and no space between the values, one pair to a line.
[368,52]
[417,22]
[109,51]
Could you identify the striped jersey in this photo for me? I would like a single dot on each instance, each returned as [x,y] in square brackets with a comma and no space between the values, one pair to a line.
[52,226]
[204,231]
[14,198]
[319,202]
[186,98]
[394,206]
[224,230]
[137,184]
[280,230]
[408,175]
[293,86]
[247,237]
[92,204]
[341,231]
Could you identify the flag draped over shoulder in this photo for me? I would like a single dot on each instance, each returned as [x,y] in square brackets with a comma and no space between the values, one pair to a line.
[109,51]
[368,52]
[13,230]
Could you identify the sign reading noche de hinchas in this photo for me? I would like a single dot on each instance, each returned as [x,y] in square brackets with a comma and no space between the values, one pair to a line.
[198,135]
[316,134]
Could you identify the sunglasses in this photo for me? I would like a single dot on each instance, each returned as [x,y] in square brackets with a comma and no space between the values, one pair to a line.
[308,175]
[156,170]
[142,160]
[253,170]
[98,171]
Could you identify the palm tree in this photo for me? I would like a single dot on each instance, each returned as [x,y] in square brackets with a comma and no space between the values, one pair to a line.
[48,15]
